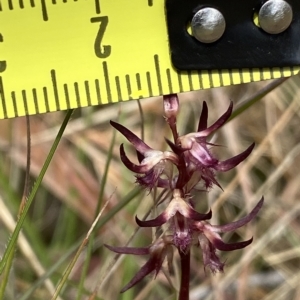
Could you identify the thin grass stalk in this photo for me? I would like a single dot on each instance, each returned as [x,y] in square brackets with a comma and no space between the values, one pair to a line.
[9,263]
[74,260]
[256,97]
[5,277]
[103,221]
[99,204]
[19,225]
[54,268]
[100,224]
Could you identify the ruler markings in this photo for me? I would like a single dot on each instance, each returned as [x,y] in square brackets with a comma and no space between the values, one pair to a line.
[77,94]
[138,81]
[44,10]
[180,82]
[97,6]
[231,78]
[32,4]
[169,80]
[221,79]
[190,80]
[241,75]
[55,89]
[13,98]
[87,91]
[35,101]
[118,87]
[97,87]
[25,101]
[260,74]
[251,76]
[274,71]
[139,85]
[10,5]
[150,2]
[210,79]
[53,1]
[101,51]
[0,6]
[128,84]
[107,82]
[266,73]
[46,99]
[157,69]
[21,4]
[66,91]
[3,100]
[281,71]
[148,76]
[200,79]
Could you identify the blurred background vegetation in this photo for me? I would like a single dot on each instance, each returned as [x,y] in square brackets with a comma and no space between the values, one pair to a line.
[86,172]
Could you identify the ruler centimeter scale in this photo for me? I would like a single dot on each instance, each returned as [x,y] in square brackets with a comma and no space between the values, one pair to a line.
[60,54]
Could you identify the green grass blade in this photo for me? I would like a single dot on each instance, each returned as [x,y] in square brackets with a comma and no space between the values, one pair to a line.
[13,240]
[99,204]
[256,97]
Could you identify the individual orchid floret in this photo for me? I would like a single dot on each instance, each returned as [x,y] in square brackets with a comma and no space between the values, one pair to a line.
[196,150]
[210,240]
[158,251]
[153,163]
[178,205]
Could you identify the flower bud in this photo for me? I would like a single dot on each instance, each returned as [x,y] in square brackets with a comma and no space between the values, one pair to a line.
[171,107]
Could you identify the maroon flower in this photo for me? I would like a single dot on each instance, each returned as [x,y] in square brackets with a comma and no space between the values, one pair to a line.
[178,205]
[210,240]
[197,155]
[153,163]
[158,251]
[195,165]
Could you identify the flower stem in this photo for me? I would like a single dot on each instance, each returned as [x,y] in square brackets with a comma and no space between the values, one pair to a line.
[185,275]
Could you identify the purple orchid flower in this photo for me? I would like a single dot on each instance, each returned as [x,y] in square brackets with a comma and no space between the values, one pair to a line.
[190,155]
[210,240]
[158,251]
[153,163]
[178,205]
[197,155]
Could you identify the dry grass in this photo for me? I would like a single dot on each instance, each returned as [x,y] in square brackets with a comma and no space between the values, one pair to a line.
[64,209]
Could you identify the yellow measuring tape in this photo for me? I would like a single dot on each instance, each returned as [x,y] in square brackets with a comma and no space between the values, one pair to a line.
[60,54]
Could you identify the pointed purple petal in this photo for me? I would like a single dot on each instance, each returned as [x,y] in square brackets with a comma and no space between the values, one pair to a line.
[235,225]
[129,250]
[230,163]
[176,149]
[196,216]
[158,221]
[220,245]
[131,166]
[152,264]
[220,122]
[131,137]
[203,117]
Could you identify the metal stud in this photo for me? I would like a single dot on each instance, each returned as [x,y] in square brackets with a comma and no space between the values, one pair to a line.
[275,16]
[208,25]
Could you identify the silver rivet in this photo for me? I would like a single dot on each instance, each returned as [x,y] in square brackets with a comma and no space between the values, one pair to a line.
[275,16]
[208,25]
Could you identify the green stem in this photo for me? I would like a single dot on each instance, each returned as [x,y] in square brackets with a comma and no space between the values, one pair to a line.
[12,242]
